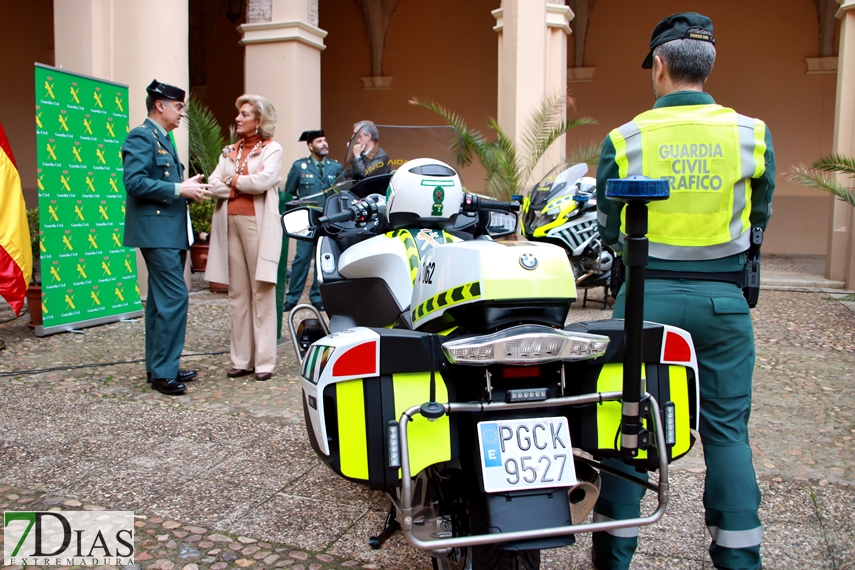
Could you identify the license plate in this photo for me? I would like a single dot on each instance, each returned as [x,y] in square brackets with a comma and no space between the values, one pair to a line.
[532,453]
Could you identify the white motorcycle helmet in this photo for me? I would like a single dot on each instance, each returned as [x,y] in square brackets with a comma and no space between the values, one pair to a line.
[586,185]
[424,192]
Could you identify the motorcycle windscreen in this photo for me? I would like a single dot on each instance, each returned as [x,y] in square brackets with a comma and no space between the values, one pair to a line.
[402,144]
[560,181]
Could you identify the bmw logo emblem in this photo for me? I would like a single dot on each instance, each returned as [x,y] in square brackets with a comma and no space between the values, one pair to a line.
[528,261]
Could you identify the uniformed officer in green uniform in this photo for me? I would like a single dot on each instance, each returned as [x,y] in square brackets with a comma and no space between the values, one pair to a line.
[307,180]
[721,169]
[157,222]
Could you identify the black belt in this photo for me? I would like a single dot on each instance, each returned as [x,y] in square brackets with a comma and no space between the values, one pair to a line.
[735,277]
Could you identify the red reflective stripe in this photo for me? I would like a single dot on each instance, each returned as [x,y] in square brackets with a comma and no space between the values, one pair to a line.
[676,348]
[359,360]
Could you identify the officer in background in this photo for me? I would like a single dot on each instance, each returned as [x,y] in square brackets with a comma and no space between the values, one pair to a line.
[721,169]
[307,180]
[157,222]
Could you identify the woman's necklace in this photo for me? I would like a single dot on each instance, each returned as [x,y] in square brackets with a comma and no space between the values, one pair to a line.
[241,167]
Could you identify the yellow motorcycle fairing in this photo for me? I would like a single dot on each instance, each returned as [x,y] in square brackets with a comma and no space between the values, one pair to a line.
[565,205]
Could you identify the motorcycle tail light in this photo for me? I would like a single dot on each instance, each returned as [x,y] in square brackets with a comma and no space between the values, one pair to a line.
[521,372]
[525,344]
[526,395]
[394,452]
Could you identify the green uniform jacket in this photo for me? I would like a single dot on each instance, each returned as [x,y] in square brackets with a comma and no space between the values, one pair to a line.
[761,195]
[304,179]
[154,216]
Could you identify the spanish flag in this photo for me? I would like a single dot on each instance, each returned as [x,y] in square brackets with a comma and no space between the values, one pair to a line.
[16,257]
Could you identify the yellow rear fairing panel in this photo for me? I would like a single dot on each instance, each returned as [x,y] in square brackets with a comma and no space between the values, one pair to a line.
[429,442]
[353,441]
[609,413]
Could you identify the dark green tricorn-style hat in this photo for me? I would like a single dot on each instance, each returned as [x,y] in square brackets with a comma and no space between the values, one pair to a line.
[165,91]
[682,26]
[309,136]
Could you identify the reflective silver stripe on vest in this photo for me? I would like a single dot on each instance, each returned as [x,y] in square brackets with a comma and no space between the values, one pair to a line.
[629,532]
[745,126]
[701,253]
[740,236]
[602,218]
[735,538]
[632,136]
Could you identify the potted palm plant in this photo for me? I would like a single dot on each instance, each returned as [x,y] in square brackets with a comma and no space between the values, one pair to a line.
[509,166]
[822,176]
[34,289]
[206,143]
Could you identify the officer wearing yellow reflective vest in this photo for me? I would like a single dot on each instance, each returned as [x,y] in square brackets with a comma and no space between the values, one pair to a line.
[721,169]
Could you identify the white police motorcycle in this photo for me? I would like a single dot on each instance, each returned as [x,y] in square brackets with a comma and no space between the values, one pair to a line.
[447,378]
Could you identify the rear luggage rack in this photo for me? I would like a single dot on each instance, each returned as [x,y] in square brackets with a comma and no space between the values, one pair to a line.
[661,488]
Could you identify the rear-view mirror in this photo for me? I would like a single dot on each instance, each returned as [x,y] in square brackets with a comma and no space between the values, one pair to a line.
[299,223]
[501,224]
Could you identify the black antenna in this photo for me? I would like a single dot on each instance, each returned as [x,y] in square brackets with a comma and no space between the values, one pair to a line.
[432,410]
[636,192]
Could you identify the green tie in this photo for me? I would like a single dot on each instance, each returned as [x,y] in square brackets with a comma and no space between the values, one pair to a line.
[321,170]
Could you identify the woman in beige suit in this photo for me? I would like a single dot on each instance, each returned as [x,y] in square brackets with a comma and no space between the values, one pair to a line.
[246,238]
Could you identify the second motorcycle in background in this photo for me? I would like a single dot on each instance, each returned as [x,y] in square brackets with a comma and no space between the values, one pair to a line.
[561,209]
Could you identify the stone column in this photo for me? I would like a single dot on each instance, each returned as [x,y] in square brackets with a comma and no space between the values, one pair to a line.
[130,43]
[532,65]
[283,47]
[283,63]
[840,265]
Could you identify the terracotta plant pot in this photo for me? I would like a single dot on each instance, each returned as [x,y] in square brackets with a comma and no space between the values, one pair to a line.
[198,257]
[34,305]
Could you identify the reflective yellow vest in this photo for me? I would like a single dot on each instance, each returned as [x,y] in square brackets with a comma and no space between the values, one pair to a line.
[709,154]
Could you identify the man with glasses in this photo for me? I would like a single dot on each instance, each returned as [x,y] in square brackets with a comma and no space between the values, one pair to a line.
[368,158]
[157,222]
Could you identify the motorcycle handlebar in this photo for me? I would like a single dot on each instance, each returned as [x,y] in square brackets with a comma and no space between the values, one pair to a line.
[360,210]
[343,216]
[473,203]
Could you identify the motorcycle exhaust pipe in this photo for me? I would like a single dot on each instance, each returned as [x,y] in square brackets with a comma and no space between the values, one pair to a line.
[583,496]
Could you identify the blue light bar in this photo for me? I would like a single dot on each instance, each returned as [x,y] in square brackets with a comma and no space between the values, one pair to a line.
[637,188]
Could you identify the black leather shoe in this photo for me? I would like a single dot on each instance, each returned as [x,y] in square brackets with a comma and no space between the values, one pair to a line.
[169,386]
[320,307]
[288,306]
[183,376]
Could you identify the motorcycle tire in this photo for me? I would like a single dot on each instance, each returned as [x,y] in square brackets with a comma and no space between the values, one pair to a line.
[491,557]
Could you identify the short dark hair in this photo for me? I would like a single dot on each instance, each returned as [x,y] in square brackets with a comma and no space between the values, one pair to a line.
[150,100]
[687,61]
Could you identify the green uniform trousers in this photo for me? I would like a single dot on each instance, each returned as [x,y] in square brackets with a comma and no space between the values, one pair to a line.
[299,272]
[716,315]
[165,310]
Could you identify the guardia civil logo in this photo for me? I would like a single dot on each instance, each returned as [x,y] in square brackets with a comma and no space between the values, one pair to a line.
[68,538]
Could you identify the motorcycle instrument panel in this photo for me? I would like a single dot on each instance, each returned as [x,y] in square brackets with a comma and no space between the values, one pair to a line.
[532,453]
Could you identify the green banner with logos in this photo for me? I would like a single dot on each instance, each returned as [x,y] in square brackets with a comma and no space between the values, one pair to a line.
[88,276]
